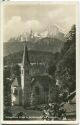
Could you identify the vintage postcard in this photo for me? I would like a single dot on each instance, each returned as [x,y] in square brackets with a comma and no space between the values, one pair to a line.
[39,124]
[39,61]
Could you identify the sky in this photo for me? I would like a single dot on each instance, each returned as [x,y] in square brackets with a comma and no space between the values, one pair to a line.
[21,18]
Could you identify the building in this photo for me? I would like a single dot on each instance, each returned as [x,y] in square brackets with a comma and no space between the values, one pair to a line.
[37,86]
[16,93]
[70,106]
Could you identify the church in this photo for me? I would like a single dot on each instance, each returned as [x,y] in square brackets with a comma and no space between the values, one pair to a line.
[36,87]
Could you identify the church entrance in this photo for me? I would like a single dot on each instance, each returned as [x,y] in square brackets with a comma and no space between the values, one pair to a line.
[37,94]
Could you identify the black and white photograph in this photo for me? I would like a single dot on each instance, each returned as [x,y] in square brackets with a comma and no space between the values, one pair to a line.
[39,124]
[39,61]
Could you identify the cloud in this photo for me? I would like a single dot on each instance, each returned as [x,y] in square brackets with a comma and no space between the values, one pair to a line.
[63,18]
[55,13]
[33,25]
[37,17]
[38,22]
[16,26]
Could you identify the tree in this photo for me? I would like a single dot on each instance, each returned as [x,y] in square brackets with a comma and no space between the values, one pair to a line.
[7,87]
[71,36]
[7,92]
[66,68]
[70,39]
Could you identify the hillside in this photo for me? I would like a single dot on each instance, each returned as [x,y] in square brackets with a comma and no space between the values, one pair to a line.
[45,44]
[34,56]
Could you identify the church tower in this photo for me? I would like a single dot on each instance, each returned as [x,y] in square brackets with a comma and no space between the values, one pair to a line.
[25,77]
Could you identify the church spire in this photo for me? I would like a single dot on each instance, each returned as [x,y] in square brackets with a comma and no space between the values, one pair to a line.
[25,55]
[25,75]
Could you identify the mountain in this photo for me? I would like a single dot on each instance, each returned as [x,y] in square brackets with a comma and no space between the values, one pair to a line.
[45,44]
[50,39]
[53,31]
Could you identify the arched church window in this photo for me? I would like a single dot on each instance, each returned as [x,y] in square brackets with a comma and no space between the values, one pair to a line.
[15,92]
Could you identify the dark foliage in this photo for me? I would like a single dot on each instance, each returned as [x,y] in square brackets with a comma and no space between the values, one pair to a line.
[7,87]
[66,68]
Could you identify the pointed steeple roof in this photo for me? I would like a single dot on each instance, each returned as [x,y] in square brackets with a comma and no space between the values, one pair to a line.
[25,55]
